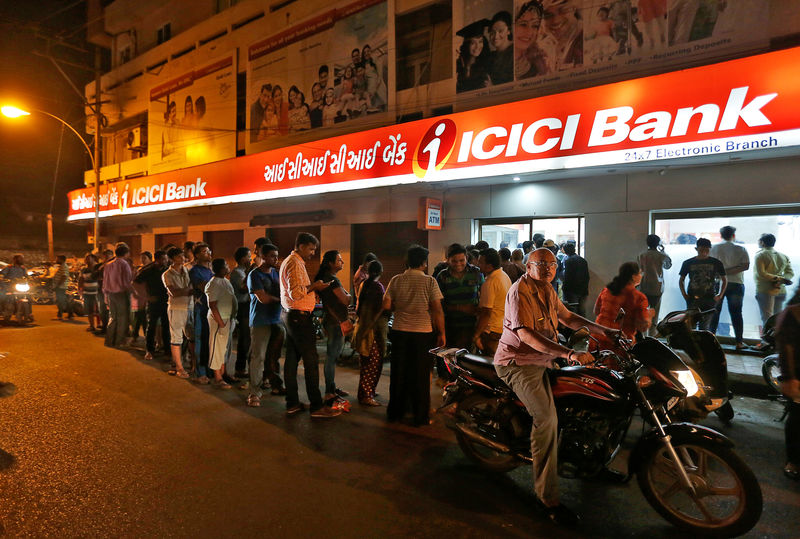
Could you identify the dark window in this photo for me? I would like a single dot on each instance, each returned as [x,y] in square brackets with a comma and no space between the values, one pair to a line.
[410,117]
[424,40]
[241,101]
[164,33]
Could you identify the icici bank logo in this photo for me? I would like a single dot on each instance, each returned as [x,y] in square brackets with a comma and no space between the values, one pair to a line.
[435,147]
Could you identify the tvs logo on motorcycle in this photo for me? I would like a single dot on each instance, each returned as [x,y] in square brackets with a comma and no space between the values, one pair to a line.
[435,147]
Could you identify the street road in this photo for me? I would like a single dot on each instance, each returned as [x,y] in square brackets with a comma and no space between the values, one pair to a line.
[98,442]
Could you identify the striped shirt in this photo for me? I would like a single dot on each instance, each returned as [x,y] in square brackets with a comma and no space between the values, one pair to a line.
[411,293]
[464,290]
[294,285]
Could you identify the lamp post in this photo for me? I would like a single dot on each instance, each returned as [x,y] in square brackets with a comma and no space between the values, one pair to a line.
[14,112]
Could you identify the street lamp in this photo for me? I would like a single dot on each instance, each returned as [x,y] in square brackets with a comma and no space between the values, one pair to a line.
[10,111]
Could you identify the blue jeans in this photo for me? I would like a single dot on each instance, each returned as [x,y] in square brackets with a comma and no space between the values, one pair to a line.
[769,304]
[702,304]
[734,294]
[334,350]
[62,302]
[201,339]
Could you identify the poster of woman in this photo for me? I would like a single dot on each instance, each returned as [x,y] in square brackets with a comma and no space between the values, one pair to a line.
[484,45]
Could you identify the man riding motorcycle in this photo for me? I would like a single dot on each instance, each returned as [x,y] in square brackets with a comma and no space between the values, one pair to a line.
[10,273]
[528,346]
[16,270]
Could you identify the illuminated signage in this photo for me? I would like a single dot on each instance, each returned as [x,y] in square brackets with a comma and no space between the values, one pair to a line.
[741,105]
[429,216]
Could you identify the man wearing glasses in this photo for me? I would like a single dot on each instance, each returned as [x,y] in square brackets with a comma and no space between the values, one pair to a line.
[528,346]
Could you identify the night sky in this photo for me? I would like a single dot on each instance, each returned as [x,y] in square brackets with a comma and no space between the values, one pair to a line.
[29,146]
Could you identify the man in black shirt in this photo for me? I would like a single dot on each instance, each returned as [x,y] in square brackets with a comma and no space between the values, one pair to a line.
[787,337]
[576,280]
[150,277]
[703,271]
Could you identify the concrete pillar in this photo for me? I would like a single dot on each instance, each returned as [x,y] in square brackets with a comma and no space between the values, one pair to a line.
[250,235]
[149,242]
[612,239]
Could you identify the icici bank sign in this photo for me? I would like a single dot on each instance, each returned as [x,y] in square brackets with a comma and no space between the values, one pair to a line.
[735,106]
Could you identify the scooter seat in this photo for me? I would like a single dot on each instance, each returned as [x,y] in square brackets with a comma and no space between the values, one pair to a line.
[482,367]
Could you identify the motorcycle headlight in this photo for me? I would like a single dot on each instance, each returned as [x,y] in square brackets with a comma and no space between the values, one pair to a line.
[22,287]
[686,378]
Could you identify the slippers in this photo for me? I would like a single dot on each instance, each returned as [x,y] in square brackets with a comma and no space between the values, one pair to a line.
[182,374]
[221,384]
[172,372]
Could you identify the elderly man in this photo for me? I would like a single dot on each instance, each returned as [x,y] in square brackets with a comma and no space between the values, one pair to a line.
[528,346]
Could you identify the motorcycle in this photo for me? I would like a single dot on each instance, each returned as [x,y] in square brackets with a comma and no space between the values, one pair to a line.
[16,302]
[700,350]
[688,473]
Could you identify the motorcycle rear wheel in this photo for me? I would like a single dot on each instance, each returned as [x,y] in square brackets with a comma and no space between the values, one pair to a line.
[770,370]
[728,500]
[477,411]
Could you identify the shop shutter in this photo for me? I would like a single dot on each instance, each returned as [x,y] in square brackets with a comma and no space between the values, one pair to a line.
[389,241]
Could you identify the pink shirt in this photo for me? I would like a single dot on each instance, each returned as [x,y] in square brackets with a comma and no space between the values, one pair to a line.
[117,276]
[532,304]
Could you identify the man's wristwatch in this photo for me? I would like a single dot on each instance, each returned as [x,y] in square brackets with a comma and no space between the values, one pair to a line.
[569,356]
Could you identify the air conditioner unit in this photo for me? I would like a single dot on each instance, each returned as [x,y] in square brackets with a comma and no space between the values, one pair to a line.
[134,138]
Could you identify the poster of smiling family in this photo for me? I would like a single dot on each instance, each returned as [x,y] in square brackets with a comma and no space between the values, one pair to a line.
[503,45]
[331,70]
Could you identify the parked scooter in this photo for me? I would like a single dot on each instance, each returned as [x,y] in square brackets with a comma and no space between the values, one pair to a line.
[701,351]
[15,301]
[688,473]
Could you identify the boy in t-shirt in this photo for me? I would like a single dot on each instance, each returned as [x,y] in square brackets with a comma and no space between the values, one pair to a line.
[703,271]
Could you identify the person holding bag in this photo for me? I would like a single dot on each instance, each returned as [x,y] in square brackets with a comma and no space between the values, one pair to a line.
[370,333]
[335,319]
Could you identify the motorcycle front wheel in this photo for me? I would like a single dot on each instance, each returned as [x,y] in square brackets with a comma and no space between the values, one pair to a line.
[770,370]
[727,500]
[479,414]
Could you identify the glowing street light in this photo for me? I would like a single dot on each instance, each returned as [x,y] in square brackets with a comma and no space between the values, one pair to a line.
[11,111]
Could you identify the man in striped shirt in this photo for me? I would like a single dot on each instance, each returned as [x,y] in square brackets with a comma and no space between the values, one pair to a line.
[298,299]
[460,284]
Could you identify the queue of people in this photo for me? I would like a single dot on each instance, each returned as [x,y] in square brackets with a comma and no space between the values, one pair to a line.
[475,299]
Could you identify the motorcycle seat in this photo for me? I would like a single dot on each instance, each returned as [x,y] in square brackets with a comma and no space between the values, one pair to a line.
[482,367]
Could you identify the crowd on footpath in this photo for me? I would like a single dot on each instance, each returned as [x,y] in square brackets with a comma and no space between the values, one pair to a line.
[498,303]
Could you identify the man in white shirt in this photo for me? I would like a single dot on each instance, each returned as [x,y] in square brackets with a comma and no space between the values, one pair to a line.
[736,261]
[298,299]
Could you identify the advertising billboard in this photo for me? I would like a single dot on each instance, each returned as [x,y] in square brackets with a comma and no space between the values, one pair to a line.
[330,70]
[192,116]
[710,112]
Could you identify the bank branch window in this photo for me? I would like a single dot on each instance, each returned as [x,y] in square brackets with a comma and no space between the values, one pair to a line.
[512,232]
[680,232]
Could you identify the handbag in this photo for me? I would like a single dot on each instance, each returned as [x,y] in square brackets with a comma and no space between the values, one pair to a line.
[346,326]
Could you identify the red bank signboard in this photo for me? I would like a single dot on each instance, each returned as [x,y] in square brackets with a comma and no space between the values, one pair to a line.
[735,106]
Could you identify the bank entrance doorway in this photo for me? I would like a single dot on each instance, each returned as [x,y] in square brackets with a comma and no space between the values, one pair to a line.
[680,231]
[511,233]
